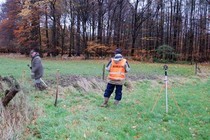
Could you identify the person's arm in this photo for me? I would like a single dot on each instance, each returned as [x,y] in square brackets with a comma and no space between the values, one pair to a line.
[127,66]
[108,66]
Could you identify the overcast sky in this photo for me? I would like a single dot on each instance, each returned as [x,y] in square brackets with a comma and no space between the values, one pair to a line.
[2,1]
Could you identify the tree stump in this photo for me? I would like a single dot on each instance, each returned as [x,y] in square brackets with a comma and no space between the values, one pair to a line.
[10,93]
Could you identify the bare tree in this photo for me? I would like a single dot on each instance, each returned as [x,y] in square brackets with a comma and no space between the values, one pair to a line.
[100,20]
[139,17]
[71,12]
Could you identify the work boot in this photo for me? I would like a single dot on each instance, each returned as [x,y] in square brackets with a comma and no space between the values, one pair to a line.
[116,102]
[39,86]
[105,104]
[42,87]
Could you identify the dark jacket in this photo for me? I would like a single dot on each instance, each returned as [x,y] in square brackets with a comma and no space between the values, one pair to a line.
[37,67]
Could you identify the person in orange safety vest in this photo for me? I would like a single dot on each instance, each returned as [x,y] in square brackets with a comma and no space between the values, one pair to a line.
[117,67]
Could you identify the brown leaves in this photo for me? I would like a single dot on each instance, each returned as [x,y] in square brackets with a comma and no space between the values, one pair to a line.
[96,49]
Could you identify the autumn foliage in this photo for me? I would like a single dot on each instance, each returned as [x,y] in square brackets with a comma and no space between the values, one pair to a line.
[95,28]
[98,50]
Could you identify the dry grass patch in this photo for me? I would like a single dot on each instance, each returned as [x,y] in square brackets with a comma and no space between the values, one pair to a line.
[15,116]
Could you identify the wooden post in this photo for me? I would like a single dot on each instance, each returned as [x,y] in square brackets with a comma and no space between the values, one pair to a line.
[103,76]
[56,94]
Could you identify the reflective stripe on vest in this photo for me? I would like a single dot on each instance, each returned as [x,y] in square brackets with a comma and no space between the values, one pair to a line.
[117,70]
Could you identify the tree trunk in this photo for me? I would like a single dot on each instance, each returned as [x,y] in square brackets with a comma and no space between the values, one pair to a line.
[78,35]
[100,20]
[46,29]
[93,23]
[10,93]
[63,36]
[54,31]
[72,30]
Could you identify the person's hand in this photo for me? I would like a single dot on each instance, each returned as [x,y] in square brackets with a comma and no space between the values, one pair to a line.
[32,75]
[29,66]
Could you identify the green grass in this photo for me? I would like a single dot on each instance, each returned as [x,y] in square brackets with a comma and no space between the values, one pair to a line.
[79,116]
[16,67]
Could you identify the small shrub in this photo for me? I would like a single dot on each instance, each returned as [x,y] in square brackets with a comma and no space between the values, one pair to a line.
[166,53]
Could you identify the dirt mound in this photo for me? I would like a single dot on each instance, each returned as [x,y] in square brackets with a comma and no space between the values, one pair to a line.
[79,83]
[95,84]
[85,84]
[141,77]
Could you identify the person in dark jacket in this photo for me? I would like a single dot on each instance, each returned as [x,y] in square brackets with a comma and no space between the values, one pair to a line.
[37,70]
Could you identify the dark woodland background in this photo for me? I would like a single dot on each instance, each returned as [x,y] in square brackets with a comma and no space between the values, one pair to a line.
[149,30]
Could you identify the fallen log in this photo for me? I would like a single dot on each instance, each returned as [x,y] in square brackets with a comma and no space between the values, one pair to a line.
[10,93]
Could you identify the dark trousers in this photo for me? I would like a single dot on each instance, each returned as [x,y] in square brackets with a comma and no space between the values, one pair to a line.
[110,89]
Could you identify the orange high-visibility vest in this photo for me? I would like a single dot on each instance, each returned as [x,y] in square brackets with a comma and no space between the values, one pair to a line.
[117,70]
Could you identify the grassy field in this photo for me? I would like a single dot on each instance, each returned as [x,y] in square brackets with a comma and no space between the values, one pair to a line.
[140,115]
